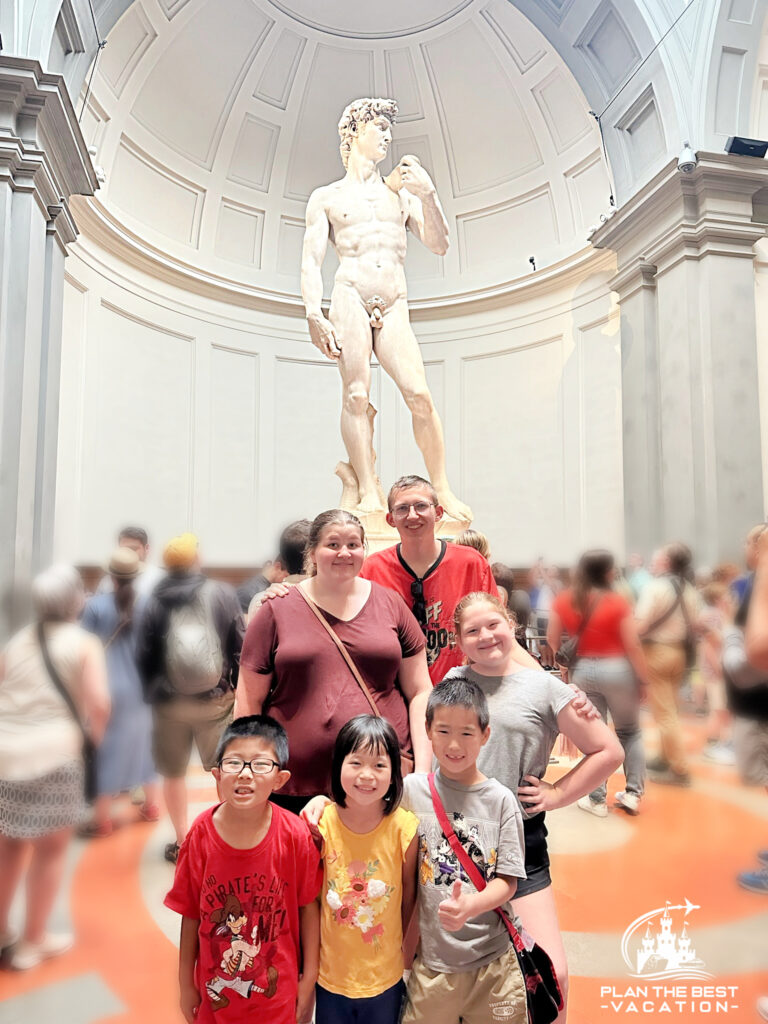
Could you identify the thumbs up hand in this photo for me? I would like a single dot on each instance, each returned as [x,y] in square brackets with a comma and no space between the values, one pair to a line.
[454,912]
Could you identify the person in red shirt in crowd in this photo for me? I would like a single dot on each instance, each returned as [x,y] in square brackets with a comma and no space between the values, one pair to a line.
[609,665]
[246,885]
[431,575]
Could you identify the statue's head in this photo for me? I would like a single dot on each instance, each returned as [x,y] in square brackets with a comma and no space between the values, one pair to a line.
[360,113]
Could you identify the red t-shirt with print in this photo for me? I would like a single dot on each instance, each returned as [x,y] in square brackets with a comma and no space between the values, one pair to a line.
[247,903]
[602,635]
[458,571]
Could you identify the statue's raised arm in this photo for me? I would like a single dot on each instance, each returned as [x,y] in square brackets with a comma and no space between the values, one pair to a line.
[365,219]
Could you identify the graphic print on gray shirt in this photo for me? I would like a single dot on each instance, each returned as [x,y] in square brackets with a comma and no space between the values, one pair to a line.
[523,707]
[486,818]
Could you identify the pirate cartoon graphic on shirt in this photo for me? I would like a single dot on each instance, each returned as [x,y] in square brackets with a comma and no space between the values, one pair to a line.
[238,957]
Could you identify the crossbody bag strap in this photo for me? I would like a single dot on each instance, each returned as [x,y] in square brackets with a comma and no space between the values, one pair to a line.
[342,650]
[678,602]
[680,591]
[472,870]
[585,619]
[58,682]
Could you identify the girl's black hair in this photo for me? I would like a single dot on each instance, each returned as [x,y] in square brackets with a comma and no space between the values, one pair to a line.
[367,732]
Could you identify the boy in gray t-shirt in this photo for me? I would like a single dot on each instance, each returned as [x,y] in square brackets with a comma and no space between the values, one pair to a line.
[466,965]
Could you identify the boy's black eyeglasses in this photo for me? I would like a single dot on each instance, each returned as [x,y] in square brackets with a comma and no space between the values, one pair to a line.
[260,766]
[419,604]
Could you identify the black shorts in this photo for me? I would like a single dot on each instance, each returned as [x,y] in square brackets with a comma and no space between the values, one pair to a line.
[536,857]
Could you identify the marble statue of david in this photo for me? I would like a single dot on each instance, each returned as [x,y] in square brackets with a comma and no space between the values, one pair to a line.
[366,218]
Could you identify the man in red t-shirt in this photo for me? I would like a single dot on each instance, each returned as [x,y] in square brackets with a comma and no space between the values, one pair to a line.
[431,575]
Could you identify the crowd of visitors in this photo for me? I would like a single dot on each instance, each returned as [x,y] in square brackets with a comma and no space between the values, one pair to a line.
[321,694]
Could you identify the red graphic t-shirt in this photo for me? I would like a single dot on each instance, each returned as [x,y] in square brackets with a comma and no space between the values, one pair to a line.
[457,572]
[247,903]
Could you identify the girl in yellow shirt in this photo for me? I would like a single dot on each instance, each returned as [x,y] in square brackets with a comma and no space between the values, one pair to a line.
[370,852]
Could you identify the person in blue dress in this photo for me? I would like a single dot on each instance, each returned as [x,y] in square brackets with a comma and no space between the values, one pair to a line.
[124,759]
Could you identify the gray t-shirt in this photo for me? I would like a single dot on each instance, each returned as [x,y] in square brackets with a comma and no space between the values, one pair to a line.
[486,818]
[524,707]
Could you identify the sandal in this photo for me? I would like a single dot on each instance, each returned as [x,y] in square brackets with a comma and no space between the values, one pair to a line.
[149,812]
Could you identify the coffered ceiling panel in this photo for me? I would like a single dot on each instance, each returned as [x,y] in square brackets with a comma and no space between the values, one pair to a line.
[214,122]
[189,92]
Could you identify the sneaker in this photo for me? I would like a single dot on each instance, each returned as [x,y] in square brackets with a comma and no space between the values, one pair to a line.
[149,812]
[670,778]
[762,856]
[600,810]
[720,753]
[30,954]
[657,764]
[172,853]
[629,802]
[762,1007]
[95,829]
[755,881]
[7,941]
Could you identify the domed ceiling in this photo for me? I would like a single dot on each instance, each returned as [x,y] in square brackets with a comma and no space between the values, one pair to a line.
[214,121]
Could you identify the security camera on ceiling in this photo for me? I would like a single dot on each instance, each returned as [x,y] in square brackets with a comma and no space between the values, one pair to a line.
[687,160]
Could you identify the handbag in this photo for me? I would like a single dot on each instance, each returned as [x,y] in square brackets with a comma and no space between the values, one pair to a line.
[567,655]
[406,758]
[543,996]
[88,748]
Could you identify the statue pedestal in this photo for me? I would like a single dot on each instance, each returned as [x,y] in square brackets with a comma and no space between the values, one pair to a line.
[379,534]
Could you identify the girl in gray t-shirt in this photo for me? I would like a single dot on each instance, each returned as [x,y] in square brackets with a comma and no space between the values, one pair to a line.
[528,709]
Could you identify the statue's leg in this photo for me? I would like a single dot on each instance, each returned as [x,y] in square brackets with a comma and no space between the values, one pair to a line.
[353,329]
[398,352]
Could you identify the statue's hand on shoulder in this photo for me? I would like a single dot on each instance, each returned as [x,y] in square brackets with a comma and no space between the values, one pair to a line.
[415,178]
[323,335]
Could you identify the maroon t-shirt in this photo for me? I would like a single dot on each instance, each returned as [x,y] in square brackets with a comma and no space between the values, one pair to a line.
[313,692]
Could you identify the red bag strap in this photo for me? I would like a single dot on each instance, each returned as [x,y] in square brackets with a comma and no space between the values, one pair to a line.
[472,870]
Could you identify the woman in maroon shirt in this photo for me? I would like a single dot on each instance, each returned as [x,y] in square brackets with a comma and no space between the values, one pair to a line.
[610,664]
[291,668]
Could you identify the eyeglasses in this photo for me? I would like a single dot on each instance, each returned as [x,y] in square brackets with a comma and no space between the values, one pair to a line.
[419,604]
[419,507]
[260,766]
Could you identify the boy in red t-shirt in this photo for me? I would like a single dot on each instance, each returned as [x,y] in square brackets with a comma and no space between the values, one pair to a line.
[246,883]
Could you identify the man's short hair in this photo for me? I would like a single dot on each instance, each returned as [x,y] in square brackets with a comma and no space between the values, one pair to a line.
[404,483]
[262,727]
[134,533]
[358,113]
[462,693]
[293,543]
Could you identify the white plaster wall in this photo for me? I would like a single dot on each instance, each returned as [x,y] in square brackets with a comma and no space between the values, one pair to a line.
[179,412]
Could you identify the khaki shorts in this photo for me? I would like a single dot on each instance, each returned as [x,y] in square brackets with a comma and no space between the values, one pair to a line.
[493,994]
[750,741]
[179,723]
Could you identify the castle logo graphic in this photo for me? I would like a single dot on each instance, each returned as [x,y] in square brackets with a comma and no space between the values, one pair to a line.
[662,952]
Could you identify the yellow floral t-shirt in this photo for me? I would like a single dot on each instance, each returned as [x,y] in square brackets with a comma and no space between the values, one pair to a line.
[361,931]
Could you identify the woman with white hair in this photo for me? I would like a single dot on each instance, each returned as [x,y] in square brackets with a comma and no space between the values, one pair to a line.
[50,671]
